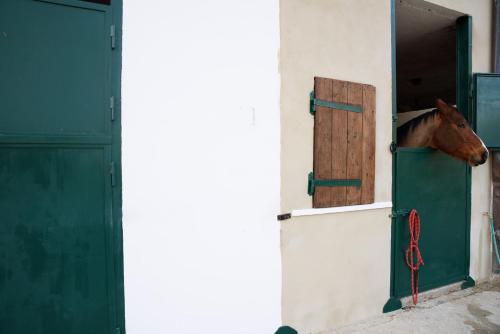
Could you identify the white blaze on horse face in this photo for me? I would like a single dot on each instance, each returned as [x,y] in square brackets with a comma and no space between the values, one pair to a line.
[485,149]
[482,143]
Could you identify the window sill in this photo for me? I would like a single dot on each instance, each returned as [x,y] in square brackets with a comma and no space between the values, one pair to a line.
[350,208]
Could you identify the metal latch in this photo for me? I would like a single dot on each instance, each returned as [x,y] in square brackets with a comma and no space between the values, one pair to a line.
[393,147]
[399,213]
[284,216]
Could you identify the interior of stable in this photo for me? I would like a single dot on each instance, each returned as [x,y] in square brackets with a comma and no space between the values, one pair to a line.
[425,57]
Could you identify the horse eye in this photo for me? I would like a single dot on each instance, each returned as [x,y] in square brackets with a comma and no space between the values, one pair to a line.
[461,125]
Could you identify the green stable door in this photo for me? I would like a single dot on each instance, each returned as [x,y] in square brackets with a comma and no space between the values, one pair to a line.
[439,187]
[60,227]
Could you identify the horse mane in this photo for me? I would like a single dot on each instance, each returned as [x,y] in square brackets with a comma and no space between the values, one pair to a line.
[408,127]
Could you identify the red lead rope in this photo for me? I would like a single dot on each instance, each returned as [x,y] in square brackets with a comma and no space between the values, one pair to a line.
[414,225]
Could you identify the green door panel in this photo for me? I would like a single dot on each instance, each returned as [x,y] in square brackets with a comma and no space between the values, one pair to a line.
[54,66]
[433,184]
[60,226]
[55,232]
[487,108]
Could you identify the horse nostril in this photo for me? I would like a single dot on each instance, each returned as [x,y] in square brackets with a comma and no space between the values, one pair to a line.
[484,156]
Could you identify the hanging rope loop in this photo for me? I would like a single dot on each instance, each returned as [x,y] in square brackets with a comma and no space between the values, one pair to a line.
[413,252]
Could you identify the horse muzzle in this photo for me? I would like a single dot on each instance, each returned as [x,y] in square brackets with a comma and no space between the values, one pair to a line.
[479,159]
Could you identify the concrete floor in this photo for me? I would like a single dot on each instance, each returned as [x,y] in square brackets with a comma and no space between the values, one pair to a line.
[475,310]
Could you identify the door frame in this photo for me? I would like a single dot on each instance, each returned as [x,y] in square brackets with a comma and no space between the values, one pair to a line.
[116,157]
[464,103]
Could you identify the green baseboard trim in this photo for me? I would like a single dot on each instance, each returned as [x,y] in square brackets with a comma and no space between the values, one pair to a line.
[468,283]
[286,330]
[392,304]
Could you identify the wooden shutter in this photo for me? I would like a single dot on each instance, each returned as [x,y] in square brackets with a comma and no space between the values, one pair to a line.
[344,143]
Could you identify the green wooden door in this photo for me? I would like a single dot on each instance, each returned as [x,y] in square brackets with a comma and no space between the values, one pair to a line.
[436,186]
[60,249]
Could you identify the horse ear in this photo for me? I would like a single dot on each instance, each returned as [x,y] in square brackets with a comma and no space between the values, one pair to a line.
[443,106]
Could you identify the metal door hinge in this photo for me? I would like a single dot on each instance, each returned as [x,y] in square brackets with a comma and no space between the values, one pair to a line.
[112,34]
[112,107]
[112,173]
[118,330]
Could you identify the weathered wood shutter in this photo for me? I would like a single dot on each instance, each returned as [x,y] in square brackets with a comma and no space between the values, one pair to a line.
[344,143]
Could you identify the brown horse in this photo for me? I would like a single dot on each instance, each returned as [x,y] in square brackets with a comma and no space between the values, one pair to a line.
[444,129]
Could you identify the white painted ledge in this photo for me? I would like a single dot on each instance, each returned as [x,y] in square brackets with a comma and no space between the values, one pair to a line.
[351,208]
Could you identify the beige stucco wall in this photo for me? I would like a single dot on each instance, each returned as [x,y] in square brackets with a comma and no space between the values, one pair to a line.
[336,267]
[341,39]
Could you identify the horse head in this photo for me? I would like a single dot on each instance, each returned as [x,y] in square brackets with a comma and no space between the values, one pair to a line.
[455,137]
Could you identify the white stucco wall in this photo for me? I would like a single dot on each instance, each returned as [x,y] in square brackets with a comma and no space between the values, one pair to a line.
[201,166]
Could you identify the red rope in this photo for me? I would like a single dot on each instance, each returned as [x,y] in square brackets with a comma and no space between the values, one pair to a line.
[414,225]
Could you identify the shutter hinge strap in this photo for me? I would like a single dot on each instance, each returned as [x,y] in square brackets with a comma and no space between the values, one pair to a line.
[112,34]
[112,107]
[313,102]
[112,173]
[118,330]
[313,183]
